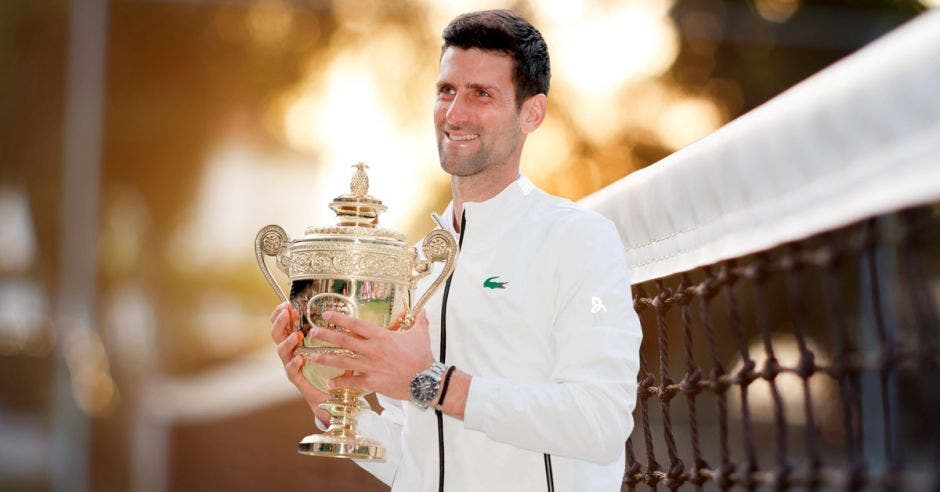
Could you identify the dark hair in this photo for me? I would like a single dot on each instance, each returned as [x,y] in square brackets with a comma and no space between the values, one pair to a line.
[506,32]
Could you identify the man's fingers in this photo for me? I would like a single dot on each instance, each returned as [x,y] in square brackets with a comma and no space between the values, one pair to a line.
[339,339]
[350,381]
[285,349]
[281,327]
[339,361]
[277,310]
[353,325]
[311,395]
[293,368]
[294,315]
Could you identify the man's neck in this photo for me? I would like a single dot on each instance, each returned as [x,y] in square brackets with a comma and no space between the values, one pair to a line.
[477,188]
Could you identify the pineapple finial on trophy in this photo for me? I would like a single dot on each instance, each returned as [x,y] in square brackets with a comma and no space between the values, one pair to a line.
[359,186]
[357,208]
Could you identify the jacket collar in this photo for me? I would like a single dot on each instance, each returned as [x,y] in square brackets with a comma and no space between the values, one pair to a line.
[492,215]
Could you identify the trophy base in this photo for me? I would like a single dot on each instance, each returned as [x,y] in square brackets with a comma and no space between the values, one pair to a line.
[331,446]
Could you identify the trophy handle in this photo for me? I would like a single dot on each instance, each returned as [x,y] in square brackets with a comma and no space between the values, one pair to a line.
[439,246]
[272,241]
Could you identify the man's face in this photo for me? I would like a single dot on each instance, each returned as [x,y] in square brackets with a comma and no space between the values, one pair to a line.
[475,115]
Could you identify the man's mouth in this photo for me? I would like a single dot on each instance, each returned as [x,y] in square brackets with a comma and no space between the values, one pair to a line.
[461,137]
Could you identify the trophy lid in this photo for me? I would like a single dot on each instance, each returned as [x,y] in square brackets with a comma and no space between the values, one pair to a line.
[357,213]
[357,208]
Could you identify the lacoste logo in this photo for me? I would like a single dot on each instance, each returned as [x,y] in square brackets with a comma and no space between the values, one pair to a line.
[490,284]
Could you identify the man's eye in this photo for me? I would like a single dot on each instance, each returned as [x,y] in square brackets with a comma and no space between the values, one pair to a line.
[446,90]
[483,94]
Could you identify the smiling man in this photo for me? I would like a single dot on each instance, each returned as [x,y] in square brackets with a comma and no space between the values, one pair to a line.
[514,379]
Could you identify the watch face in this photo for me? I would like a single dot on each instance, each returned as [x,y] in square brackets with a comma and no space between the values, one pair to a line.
[423,388]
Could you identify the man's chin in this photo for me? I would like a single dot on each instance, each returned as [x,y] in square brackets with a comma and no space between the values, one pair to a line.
[459,169]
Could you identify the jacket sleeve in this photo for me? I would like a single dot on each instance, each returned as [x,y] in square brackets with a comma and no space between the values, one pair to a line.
[585,410]
[385,428]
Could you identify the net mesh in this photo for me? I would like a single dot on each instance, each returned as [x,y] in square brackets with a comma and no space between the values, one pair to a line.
[809,366]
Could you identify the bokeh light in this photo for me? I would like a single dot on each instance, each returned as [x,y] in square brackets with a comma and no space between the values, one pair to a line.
[776,10]
[269,22]
[609,45]
[687,120]
[789,386]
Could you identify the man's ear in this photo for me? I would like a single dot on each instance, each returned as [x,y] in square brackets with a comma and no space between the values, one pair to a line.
[533,112]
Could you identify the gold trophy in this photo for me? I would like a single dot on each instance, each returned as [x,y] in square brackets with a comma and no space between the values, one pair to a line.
[363,271]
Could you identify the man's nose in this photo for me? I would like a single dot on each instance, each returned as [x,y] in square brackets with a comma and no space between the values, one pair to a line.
[456,113]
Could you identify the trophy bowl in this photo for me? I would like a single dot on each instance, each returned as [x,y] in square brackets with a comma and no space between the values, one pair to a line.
[358,269]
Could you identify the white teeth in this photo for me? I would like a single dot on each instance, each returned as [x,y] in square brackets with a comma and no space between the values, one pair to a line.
[461,138]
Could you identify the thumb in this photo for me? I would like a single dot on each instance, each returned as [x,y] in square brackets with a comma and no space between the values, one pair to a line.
[421,321]
[420,328]
[294,369]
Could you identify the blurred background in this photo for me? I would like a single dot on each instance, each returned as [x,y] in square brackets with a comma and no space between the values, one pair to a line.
[144,143]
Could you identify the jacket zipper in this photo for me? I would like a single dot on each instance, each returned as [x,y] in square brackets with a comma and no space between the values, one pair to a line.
[549,476]
[440,415]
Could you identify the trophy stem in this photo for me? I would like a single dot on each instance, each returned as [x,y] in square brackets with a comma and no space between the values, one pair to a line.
[341,440]
[343,407]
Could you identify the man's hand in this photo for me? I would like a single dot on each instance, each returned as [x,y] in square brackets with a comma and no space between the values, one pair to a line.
[282,320]
[387,360]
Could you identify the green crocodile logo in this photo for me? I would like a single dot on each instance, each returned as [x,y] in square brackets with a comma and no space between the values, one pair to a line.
[490,284]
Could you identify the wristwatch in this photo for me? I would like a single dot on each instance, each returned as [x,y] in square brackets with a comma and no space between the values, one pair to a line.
[426,384]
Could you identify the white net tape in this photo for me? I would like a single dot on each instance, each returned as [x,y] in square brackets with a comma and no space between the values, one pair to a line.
[858,139]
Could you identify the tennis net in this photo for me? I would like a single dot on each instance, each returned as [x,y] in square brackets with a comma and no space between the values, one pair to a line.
[786,276]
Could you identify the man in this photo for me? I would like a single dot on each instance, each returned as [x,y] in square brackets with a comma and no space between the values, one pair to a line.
[529,354]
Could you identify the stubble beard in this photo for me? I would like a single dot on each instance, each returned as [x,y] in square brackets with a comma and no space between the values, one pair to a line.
[470,165]
[463,165]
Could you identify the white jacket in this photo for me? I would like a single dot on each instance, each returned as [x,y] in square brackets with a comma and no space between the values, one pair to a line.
[553,354]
